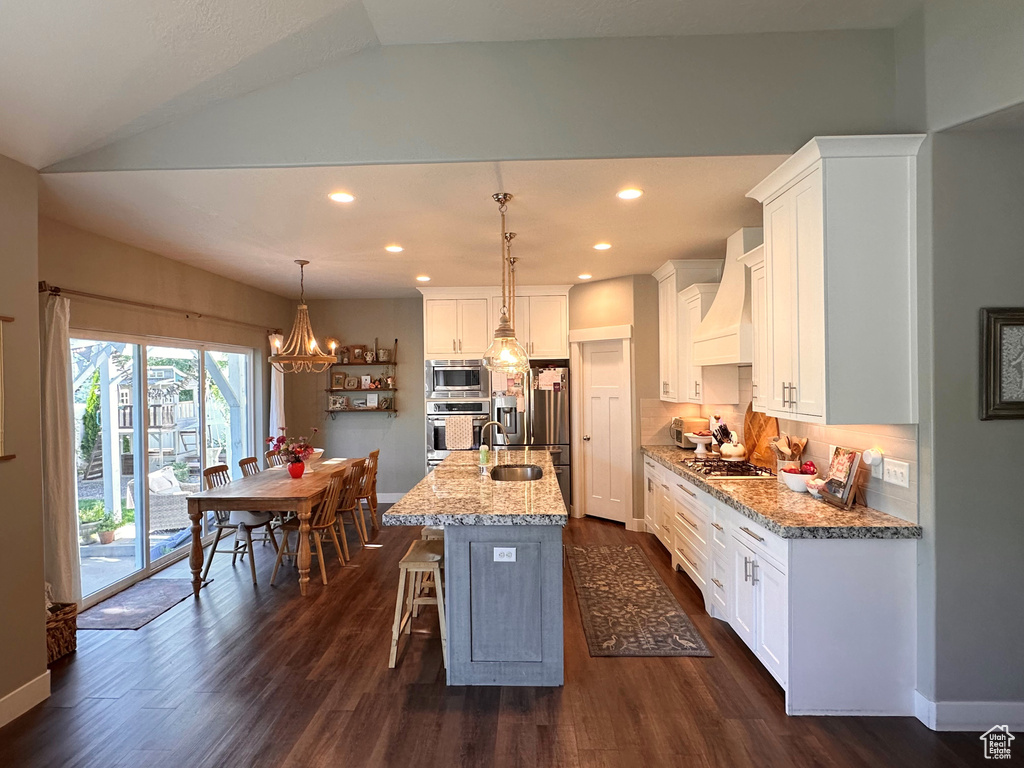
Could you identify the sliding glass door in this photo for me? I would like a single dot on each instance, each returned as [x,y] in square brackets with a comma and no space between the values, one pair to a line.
[142,449]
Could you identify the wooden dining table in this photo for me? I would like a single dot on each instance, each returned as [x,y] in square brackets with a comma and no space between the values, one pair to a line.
[273,490]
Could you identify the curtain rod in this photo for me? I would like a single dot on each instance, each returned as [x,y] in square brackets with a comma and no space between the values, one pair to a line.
[53,290]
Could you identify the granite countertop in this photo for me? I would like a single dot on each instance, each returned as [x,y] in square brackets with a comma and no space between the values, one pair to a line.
[456,493]
[786,513]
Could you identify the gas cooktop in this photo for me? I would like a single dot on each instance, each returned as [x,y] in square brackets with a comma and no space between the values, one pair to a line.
[719,469]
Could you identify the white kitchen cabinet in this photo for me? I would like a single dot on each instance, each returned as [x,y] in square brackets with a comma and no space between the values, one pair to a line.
[742,597]
[673,343]
[840,282]
[541,324]
[652,481]
[454,328]
[710,384]
[665,514]
[759,320]
[720,578]
[760,613]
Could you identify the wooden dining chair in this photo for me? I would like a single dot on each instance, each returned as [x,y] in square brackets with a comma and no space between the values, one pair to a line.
[249,466]
[368,490]
[320,522]
[349,504]
[243,523]
[274,459]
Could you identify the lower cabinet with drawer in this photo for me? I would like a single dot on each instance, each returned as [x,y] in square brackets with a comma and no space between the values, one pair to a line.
[759,613]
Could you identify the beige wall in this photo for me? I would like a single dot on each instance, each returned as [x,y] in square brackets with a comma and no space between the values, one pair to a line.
[401,439]
[75,259]
[630,300]
[22,636]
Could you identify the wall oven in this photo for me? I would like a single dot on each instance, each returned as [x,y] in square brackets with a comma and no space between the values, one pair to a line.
[457,378]
[439,411]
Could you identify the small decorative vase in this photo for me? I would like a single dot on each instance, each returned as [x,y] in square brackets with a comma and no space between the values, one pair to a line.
[296,468]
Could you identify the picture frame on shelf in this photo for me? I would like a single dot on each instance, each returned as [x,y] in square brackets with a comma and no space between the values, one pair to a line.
[356,352]
[351,382]
[359,403]
[372,400]
[1002,363]
[338,379]
[366,381]
[343,355]
[384,355]
[337,403]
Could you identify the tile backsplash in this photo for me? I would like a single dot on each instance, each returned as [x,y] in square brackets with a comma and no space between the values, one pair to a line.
[897,441]
[656,416]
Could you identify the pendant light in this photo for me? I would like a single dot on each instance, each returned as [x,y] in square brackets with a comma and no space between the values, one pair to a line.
[301,353]
[506,354]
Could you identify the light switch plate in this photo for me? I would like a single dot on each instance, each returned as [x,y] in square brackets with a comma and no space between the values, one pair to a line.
[896,472]
[504,554]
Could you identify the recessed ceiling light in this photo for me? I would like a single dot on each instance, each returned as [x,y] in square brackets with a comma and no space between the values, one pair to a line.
[585,276]
[341,197]
[393,248]
[629,194]
[423,278]
[602,246]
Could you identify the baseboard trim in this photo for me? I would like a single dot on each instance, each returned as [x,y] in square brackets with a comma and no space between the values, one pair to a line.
[968,715]
[636,524]
[21,700]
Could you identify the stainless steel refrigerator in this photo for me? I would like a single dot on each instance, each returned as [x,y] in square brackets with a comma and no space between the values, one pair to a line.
[541,419]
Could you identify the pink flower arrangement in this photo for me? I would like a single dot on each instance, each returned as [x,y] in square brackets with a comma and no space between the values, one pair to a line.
[292,449]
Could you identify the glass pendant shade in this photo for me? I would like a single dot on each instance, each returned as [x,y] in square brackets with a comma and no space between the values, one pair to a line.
[506,354]
[301,353]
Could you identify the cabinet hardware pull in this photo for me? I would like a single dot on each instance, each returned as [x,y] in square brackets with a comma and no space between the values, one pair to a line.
[717,583]
[664,486]
[753,572]
[751,533]
[684,489]
[650,486]
[746,569]
[454,347]
[785,389]
[716,525]
[686,558]
[792,394]
[689,522]
[460,345]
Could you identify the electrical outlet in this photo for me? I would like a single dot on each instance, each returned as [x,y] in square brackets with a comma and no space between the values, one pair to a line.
[504,554]
[896,472]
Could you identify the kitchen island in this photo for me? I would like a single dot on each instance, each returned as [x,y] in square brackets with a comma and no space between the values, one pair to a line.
[503,566]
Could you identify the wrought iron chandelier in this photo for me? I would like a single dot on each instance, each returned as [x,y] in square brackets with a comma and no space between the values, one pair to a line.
[506,354]
[301,353]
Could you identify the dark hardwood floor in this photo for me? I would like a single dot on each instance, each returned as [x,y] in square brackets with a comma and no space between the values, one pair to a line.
[260,676]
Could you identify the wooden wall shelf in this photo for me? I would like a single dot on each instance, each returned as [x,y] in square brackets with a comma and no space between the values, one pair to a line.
[8,457]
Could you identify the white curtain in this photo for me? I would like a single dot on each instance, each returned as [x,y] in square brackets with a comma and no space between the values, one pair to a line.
[276,391]
[60,513]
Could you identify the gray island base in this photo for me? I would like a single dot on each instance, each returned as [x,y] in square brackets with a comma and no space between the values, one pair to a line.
[503,567]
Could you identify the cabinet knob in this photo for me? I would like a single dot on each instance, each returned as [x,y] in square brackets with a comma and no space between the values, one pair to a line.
[586,438]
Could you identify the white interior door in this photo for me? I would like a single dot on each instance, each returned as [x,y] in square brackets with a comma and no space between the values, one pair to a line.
[605,430]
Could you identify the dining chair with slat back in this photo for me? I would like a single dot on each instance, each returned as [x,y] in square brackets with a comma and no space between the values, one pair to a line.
[243,523]
[368,490]
[249,466]
[274,458]
[320,522]
[349,504]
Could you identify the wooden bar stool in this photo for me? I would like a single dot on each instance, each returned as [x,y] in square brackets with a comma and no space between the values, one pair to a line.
[423,558]
[431,532]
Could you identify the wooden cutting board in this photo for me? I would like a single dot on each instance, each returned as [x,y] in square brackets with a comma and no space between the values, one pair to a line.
[758,431]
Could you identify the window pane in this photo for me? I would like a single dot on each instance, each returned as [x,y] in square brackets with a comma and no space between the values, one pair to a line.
[103,376]
[227,410]
[172,444]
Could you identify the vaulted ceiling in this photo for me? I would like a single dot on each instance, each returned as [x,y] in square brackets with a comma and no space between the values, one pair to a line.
[75,76]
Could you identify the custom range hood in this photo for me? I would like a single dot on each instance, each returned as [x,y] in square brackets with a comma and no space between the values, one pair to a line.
[725,336]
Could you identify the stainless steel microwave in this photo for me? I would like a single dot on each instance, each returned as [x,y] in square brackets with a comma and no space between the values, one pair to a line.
[457,378]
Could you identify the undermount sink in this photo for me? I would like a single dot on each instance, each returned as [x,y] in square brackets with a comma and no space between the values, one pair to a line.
[516,472]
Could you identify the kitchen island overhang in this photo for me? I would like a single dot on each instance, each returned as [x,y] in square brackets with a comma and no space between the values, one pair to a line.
[503,567]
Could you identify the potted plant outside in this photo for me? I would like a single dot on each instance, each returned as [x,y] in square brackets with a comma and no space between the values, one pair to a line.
[293,450]
[106,528]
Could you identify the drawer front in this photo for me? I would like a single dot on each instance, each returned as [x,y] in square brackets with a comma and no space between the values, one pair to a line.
[760,539]
[721,520]
[718,576]
[693,529]
[693,562]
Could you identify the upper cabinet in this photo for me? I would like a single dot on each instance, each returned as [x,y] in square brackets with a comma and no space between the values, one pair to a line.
[759,319]
[711,384]
[459,323]
[673,335]
[541,324]
[455,328]
[840,279]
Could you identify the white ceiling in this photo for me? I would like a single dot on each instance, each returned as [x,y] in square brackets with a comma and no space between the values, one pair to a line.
[77,75]
[250,224]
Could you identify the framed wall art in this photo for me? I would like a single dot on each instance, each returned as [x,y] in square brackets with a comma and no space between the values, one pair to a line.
[1002,363]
